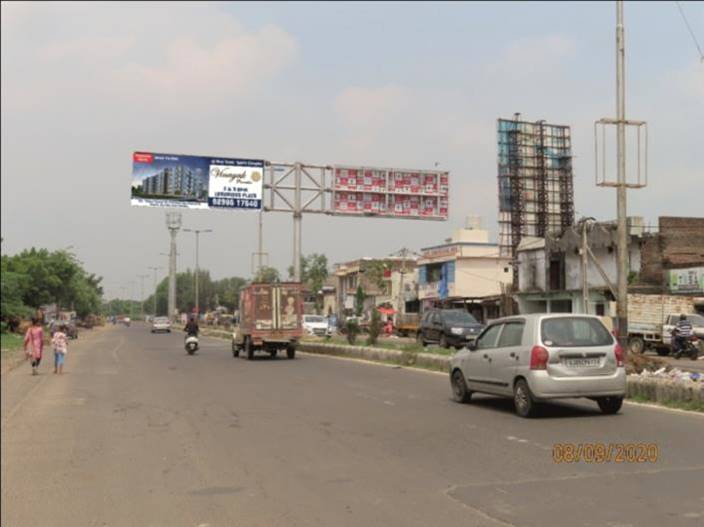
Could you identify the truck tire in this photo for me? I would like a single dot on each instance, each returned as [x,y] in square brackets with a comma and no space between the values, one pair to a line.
[291,352]
[272,352]
[636,345]
[235,350]
[248,348]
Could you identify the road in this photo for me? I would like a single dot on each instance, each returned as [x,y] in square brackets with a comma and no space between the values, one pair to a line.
[137,433]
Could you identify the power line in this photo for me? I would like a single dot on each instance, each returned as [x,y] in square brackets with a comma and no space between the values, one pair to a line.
[694,38]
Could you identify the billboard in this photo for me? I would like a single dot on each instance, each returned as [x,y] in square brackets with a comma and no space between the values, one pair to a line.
[690,280]
[196,182]
[389,192]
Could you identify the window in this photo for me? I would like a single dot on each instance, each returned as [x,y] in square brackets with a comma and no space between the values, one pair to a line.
[488,338]
[574,332]
[458,316]
[512,335]
[696,320]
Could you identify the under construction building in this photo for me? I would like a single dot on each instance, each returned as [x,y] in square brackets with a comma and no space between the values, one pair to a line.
[536,195]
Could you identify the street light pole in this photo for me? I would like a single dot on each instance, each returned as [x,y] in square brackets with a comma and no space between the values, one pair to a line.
[197,233]
[155,269]
[173,223]
[622,234]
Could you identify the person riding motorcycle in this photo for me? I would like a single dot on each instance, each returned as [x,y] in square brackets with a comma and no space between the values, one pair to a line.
[681,333]
[191,327]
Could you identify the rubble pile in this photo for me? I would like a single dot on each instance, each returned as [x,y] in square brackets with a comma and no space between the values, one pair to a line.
[667,384]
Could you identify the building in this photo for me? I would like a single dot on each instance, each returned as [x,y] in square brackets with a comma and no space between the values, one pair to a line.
[174,181]
[550,270]
[376,276]
[673,257]
[536,196]
[466,271]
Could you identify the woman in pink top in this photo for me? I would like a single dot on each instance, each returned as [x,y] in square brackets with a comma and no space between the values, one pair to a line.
[34,344]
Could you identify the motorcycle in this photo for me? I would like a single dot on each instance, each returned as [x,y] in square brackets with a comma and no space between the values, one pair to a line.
[191,344]
[689,348]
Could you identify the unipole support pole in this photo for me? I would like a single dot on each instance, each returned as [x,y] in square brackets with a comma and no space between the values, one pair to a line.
[297,225]
[585,282]
[622,215]
[260,239]
[172,275]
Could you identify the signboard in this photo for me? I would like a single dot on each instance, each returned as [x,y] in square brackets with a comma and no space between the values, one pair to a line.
[195,182]
[388,192]
[690,280]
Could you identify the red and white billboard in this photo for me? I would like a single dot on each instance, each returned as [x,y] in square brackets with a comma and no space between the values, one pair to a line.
[389,192]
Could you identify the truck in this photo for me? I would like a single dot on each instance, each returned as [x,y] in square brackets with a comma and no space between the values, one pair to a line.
[270,319]
[651,318]
[407,324]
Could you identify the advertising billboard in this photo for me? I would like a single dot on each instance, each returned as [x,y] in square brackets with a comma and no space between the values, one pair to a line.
[389,192]
[196,182]
[690,280]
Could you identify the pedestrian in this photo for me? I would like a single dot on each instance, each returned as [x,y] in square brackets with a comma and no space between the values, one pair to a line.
[34,344]
[60,342]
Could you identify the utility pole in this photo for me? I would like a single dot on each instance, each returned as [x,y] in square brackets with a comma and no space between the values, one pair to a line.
[141,296]
[622,230]
[297,217]
[173,223]
[155,269]
[197,232]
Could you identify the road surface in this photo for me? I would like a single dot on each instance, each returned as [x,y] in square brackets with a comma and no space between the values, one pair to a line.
[137,433]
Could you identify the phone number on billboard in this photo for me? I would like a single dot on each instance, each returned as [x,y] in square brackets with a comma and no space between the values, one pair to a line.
[237,203]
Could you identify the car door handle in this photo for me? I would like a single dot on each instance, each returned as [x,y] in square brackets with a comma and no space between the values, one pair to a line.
[512,354]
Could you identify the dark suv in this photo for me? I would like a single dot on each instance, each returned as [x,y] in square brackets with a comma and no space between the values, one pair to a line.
[448,327]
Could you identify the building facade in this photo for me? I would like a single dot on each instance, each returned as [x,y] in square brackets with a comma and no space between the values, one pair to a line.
[174,181]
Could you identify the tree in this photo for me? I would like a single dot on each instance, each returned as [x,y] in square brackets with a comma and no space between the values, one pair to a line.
[375,272]
[359,301]
[374,327]
[267,275]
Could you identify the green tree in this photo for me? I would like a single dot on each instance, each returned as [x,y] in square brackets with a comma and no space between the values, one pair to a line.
[267,275]
[359,301]
[374,327]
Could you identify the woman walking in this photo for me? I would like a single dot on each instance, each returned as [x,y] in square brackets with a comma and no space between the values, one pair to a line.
[34,344]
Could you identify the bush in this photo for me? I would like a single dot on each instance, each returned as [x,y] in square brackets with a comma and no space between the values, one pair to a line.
[352,330]
[374,328]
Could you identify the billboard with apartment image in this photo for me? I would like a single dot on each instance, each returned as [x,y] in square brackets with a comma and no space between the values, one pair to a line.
[196,182]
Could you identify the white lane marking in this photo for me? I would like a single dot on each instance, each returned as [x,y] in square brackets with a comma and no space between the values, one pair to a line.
[114,354]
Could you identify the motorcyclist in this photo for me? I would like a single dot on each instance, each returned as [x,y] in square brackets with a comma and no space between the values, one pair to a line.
[682,332]
[191,327]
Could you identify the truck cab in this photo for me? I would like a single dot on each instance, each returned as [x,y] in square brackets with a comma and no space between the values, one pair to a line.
[695,319]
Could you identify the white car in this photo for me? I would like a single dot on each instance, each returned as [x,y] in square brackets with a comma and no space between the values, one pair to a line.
[160,324]
[315,325]
[539,357]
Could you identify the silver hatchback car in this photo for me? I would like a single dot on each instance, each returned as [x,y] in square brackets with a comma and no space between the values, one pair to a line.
[539,357]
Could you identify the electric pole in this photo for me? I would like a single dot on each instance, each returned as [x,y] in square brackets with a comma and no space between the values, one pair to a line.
[197,232]
[173,223]
[622,234]
[155,269]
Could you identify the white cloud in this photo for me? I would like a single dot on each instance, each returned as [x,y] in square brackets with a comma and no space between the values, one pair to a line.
[534,54]
[371,107]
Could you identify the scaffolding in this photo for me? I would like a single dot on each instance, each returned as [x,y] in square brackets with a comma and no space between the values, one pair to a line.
[536,194]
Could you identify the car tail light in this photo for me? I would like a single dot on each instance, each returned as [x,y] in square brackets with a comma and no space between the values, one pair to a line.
[539,358]
[618,351]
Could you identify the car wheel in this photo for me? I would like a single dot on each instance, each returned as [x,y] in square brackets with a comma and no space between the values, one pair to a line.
[636,345]
[610,405]
[291,352]
[443,341]
[248,348]
[235,350]
[523,399]
[460,393]
[420,340]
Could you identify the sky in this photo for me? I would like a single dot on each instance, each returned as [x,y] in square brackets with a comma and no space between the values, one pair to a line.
[412,85]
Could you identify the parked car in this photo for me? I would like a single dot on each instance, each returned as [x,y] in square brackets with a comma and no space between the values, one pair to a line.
[448,327]
[315,325]
[540,357]
[161,324]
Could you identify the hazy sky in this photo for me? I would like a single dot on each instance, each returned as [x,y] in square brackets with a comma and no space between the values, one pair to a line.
[390,84]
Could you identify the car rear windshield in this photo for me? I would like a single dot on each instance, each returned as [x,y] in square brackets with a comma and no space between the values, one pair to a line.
[458,317]
[574,332]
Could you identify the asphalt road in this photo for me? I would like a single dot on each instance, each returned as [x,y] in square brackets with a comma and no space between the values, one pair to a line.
[137,433]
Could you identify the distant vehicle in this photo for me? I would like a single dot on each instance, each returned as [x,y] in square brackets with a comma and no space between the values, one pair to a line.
[191,344]
[407,324]
[652,317]
[315,325]
[126,321]
[270,319]
[540,357]
[161,325]
[448,327]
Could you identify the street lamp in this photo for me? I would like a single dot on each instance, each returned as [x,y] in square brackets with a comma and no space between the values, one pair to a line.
[197,232]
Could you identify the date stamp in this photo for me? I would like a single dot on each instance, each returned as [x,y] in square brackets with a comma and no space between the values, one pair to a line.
[605,452]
